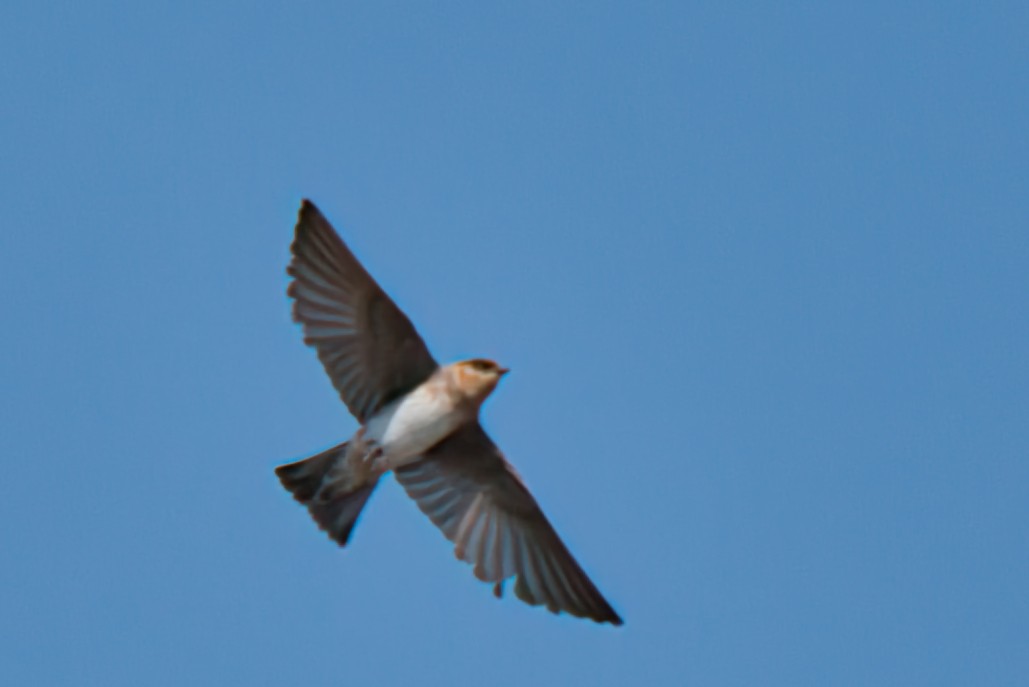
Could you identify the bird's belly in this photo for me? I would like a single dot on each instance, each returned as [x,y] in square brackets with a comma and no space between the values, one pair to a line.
[412,425]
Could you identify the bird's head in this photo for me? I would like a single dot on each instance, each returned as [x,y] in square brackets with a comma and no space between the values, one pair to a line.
[477,378]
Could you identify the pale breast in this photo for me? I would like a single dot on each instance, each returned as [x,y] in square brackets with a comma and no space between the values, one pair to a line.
[413,424]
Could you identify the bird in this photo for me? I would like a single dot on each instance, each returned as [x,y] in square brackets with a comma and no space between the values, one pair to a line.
[420,420]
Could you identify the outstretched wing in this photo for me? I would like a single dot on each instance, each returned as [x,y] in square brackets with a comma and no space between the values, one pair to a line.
[369,348]
[474,496]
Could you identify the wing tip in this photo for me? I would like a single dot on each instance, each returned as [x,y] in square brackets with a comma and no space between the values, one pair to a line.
[308,211]
[609,616]
[599,610]
[307,205]
[309,217]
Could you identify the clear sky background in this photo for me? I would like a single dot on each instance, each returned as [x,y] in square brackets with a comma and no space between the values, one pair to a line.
[760,271]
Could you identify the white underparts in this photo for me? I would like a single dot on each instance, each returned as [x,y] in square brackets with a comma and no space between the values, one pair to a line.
[411,425]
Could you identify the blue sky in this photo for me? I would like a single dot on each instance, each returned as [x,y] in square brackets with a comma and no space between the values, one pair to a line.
[760,272]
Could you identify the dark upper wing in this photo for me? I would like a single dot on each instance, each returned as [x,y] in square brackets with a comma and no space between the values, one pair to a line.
[467,488]
[369,348]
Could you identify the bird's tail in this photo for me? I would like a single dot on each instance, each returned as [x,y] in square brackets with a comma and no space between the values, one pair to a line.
[316,483]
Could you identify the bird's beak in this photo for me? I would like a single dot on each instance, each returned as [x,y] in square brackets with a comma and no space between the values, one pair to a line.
[503,370]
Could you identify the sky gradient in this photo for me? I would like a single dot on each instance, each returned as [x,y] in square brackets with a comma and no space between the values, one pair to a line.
[760,273]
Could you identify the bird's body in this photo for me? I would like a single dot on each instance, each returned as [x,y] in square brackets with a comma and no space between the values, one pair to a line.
[419,420]
[407,427]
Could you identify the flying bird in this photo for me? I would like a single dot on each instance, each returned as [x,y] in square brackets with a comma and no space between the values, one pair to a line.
[420,420]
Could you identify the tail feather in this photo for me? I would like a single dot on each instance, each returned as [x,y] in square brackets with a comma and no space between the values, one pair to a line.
[335,511]
[304,478]
[338,517]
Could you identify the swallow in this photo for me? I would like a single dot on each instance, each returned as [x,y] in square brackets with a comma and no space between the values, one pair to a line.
[419,420]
